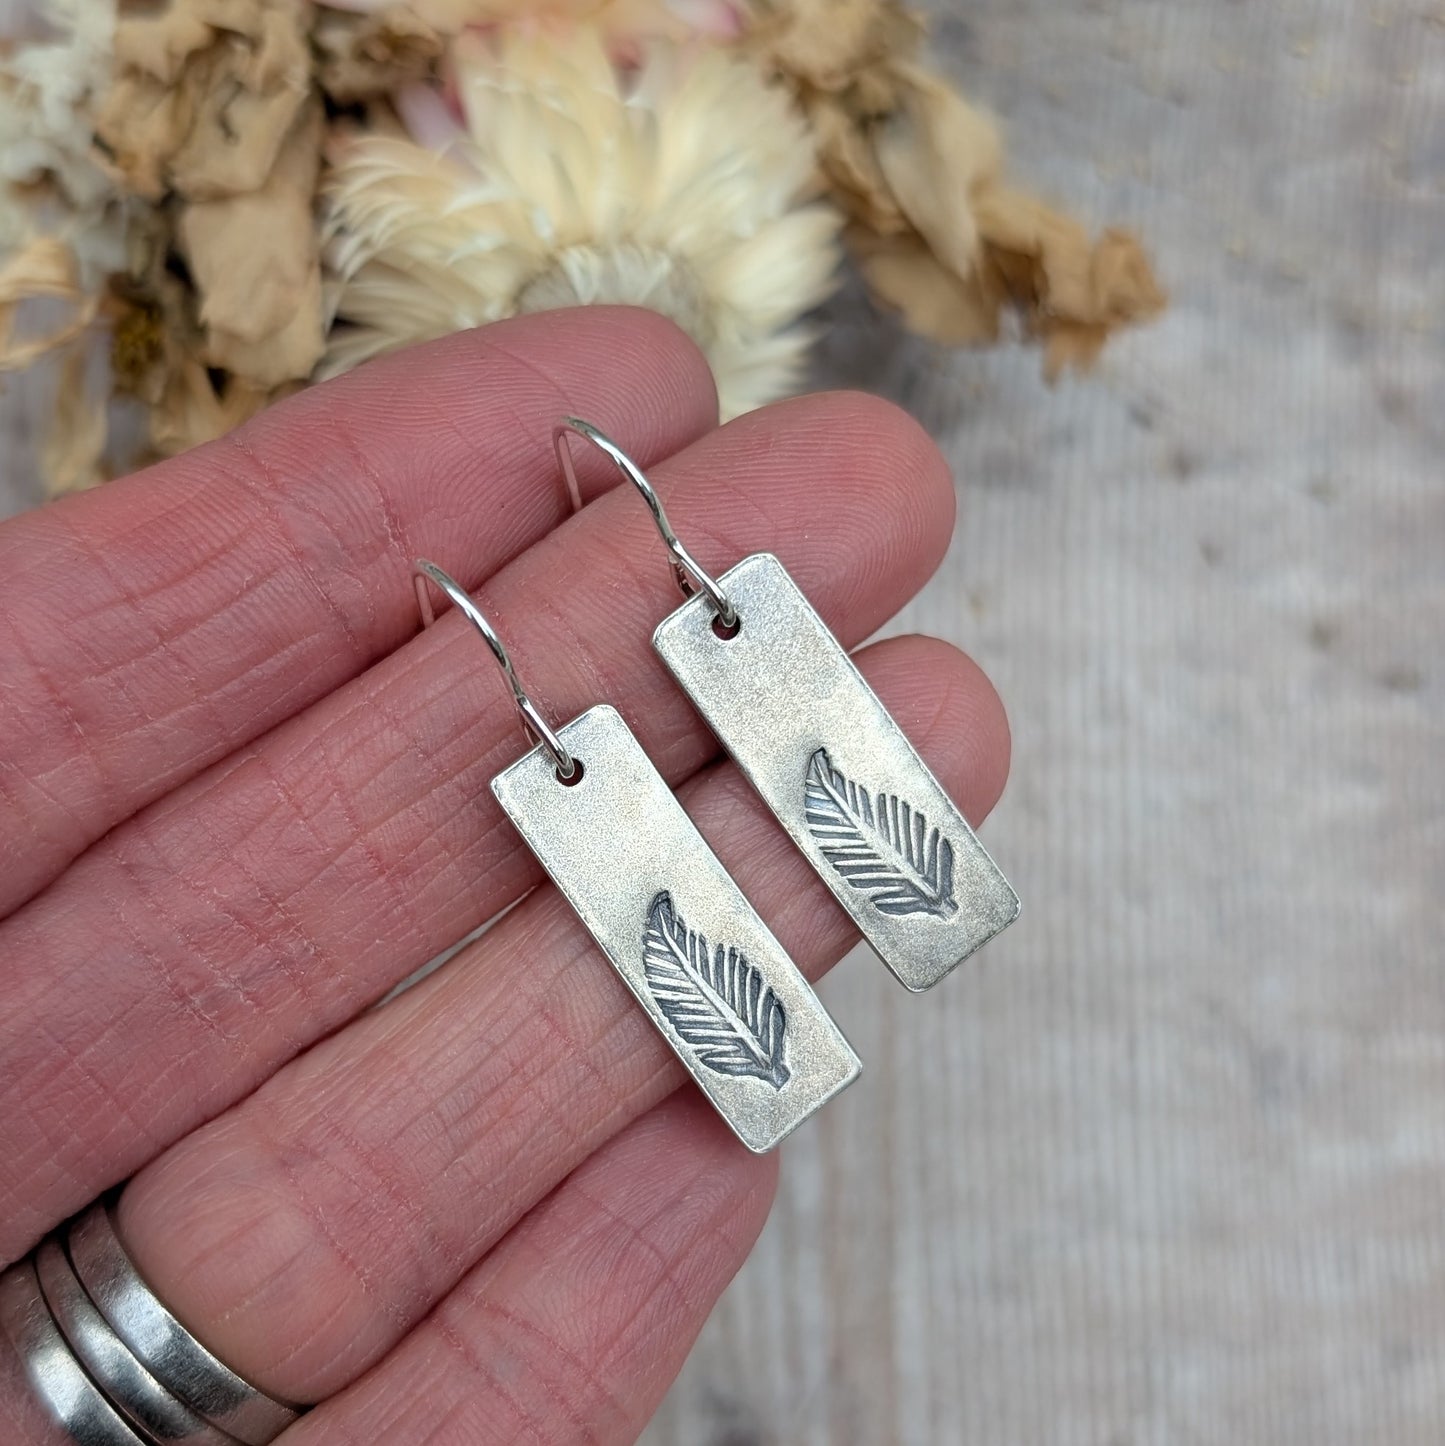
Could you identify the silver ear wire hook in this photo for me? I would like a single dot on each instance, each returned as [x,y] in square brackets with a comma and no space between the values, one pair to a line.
[691,576]
[537,728]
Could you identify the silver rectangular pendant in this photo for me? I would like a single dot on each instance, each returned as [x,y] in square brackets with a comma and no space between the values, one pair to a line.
[719,986]
[836,769]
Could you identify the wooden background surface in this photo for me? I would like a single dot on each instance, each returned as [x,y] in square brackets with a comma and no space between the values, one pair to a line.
[1167,1163]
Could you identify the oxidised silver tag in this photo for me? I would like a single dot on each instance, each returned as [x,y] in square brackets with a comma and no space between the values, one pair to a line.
[836,769]
[676,926]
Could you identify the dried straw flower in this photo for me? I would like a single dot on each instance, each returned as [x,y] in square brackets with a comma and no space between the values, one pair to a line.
[212,109]
[675,186]
[934,225]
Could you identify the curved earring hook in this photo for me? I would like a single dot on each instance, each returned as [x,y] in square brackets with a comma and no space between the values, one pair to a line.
[536,726]
[691,576]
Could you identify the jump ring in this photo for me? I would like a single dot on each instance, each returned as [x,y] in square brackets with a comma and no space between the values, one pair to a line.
[537,727]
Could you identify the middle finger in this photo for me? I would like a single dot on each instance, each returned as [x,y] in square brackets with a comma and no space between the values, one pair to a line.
[200,945]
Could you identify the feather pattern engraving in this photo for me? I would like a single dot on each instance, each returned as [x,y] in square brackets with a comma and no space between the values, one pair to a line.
[715,999]
[879,844]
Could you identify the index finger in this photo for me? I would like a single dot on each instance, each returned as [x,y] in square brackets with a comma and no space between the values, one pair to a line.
[158,623]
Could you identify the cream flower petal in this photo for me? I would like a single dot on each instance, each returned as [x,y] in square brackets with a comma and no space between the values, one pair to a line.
[781,270]
[682,184]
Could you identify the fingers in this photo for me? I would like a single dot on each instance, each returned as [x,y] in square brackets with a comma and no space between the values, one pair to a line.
[304,1232]
[210,938]
[159,622]
[573,1327]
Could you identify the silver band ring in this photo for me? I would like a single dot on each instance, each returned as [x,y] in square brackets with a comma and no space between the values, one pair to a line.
[55,1374]
[162,1344]
[129,1386]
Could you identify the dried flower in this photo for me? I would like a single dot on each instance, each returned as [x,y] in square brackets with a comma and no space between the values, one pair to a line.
[362,55]
[834,47]
[62,222]
[255,261]
[49,179]
[936,230]
[159,167]
[72,448]
[63,225]
[212,109]
[157,351]
[42,269]
[204,94]
[677,186]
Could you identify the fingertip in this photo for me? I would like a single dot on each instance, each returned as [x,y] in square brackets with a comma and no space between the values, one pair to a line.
[951,712]
[660,393]
[848,490]
[893,462]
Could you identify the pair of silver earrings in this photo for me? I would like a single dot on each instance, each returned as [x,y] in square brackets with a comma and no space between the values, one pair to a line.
[816,743]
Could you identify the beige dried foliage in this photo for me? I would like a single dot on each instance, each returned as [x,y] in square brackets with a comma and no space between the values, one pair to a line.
[49,182]
[158,354]
[72,449]
[682,183]
[212,115]
[156,357]
[255,261]
[834,46]
[204,93]
[615,19]
[194,408]
[43,270]
[1073,291]
[935,154]
[369,55]
[936,229]
[932,300]
[608,152]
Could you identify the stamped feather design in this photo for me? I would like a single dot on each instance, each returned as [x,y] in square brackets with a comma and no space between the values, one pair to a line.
[714,998]
[879,844]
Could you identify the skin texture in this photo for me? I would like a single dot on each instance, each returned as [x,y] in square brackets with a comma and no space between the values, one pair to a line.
[241,798]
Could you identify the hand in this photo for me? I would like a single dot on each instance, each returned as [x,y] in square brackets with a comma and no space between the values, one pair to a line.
[241,797]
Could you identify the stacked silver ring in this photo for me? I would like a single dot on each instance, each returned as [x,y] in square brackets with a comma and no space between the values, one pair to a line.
[113,1365]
